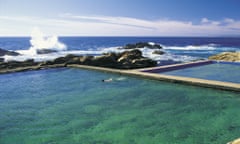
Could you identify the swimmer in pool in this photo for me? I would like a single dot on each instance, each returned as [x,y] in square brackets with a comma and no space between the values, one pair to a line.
[107,80]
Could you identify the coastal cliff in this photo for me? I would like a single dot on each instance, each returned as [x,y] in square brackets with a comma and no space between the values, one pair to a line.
[226,56]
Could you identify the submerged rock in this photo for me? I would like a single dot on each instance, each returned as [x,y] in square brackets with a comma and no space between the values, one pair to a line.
[142,45]
[7,52]
[226,56]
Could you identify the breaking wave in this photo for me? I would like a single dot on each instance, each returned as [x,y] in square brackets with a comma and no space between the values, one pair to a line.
[193,47]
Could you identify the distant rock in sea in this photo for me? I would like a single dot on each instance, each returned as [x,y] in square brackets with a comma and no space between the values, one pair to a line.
[226,56]
[45,51]
[142,45]
[4,52]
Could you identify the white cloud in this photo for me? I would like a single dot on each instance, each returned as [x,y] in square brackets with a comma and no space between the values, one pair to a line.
[204,20]
[78,25]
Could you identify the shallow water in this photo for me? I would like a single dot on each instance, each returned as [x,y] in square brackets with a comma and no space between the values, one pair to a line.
[74,106]
[216,71]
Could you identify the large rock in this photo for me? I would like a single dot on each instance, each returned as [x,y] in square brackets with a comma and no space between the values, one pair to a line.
[107,60]
[6,52]
[128,56]
[142,45]
[68,59]
[226,56]
[134,59]
[86,60]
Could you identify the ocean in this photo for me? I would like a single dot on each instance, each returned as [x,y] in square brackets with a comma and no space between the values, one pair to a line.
[177,49]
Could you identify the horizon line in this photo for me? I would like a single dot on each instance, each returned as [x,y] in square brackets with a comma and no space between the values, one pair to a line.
[131,36]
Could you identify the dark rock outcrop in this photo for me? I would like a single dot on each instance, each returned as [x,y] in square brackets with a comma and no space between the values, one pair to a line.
[134,59]
[6,52]
[107,60]
[1,60]
[45,51]
[142,45]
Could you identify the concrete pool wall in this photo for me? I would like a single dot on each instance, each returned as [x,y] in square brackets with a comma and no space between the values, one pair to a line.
[175,79]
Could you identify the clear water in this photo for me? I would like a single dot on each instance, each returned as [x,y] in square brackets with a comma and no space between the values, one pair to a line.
[72,106]
[215,71]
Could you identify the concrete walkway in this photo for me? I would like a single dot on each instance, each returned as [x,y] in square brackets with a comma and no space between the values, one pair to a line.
[175,79]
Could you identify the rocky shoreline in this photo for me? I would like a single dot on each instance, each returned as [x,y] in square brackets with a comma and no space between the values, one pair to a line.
[132,58]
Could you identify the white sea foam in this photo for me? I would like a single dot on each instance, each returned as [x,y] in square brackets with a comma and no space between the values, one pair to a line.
[167,56]
[192,47]
[151,43]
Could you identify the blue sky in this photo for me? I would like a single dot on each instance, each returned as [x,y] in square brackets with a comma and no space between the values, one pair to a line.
[121,17]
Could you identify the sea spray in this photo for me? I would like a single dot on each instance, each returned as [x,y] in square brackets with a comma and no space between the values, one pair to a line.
[40,42]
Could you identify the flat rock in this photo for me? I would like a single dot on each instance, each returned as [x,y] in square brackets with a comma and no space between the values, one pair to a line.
[226,56]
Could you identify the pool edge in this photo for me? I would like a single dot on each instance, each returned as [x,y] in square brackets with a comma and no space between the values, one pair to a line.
[160,77]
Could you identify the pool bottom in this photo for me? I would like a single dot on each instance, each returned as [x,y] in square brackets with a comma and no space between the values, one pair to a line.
[75,106]
[159,73]
[219,71]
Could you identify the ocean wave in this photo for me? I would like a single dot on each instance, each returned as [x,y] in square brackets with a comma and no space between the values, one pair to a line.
[192,47]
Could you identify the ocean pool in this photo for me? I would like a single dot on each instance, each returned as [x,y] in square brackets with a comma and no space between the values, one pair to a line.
[74,106]
[220,71]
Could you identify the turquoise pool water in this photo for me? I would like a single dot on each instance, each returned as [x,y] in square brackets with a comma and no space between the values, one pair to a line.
[217,71]
[72,106]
